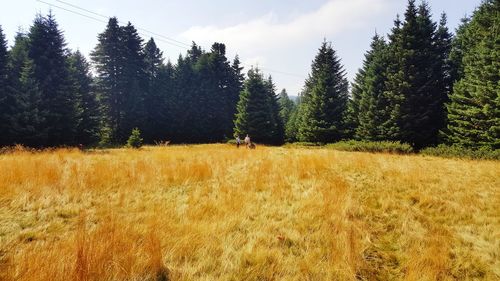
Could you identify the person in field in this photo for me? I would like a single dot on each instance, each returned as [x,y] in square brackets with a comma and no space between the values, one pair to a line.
[238,141]
[249,143]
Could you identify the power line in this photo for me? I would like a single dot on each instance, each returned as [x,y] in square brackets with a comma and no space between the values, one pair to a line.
[102,21]
[161,38]
[138,28]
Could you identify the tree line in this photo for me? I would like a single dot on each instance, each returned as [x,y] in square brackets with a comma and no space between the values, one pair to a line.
[50,97]
[421,85]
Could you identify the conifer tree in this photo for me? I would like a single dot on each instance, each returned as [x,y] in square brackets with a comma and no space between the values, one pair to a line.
[395,83]
[135,80]
[47,50]
[191,102]
[22,122]
[416,85]
[474,109]
[157,94]
[255,110]
[88,126]
[108,61]
[291,126]
[30,120]
[459,46]
[121,79]
[372,107]
[287,106]
[5,96]
[277,127]
[352,112]
[325,99]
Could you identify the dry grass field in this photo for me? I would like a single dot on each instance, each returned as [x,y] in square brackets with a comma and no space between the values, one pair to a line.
[214,212]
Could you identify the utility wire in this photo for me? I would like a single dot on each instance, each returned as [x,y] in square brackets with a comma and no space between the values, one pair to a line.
[138,28]
[103,21]
[161,38]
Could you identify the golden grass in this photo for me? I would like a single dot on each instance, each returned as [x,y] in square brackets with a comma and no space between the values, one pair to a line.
[213,212]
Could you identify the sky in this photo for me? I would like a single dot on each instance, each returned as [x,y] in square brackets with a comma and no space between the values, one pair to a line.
[280,37]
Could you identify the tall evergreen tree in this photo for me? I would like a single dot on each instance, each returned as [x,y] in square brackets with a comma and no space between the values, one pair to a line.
[474,110]
[325,99]
[291,126]
[287,106]
[277,126]
[88,126]
[5,96]
[191,101]
[30,120]
[394,84]
[416,84]
[121,79]
[22,120]
[157,94]
[352,114]
[372,106]
[256,112]
[459,46]
[443,74]
[108,58]
[218,92]
[135,80]
[47,50]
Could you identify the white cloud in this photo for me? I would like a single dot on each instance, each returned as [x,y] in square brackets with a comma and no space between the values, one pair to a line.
[280,44]
[267,32]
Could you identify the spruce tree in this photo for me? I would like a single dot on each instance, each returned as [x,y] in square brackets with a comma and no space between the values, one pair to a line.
[291,126]
[416,86]
[135,80]
[474,110]
[277,125]
[395,83]
[30,120]
[459,46]
[217,92]
[108,58]
[256,113]
[372,106]
[287,106]
[156,98]
[325,99]
[352,114]
[191,101]
[5,97]
[121,79]
[88,126]
[47,50]
[22,122]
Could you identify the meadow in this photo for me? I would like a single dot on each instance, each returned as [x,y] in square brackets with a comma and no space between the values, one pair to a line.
[214,212]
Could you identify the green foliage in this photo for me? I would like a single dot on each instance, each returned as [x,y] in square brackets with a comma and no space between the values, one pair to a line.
[455,151]
[370,102]
[258,111]
[417,84]
[5,104]
[121,78]
[324,99]
[48,53]
[474,108]
[88,115]
[135,140]
[305,144]
[287,106]
[374,146]
[292,125]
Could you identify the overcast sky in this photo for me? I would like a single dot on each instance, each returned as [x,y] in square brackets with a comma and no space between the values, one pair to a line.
[281,37]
